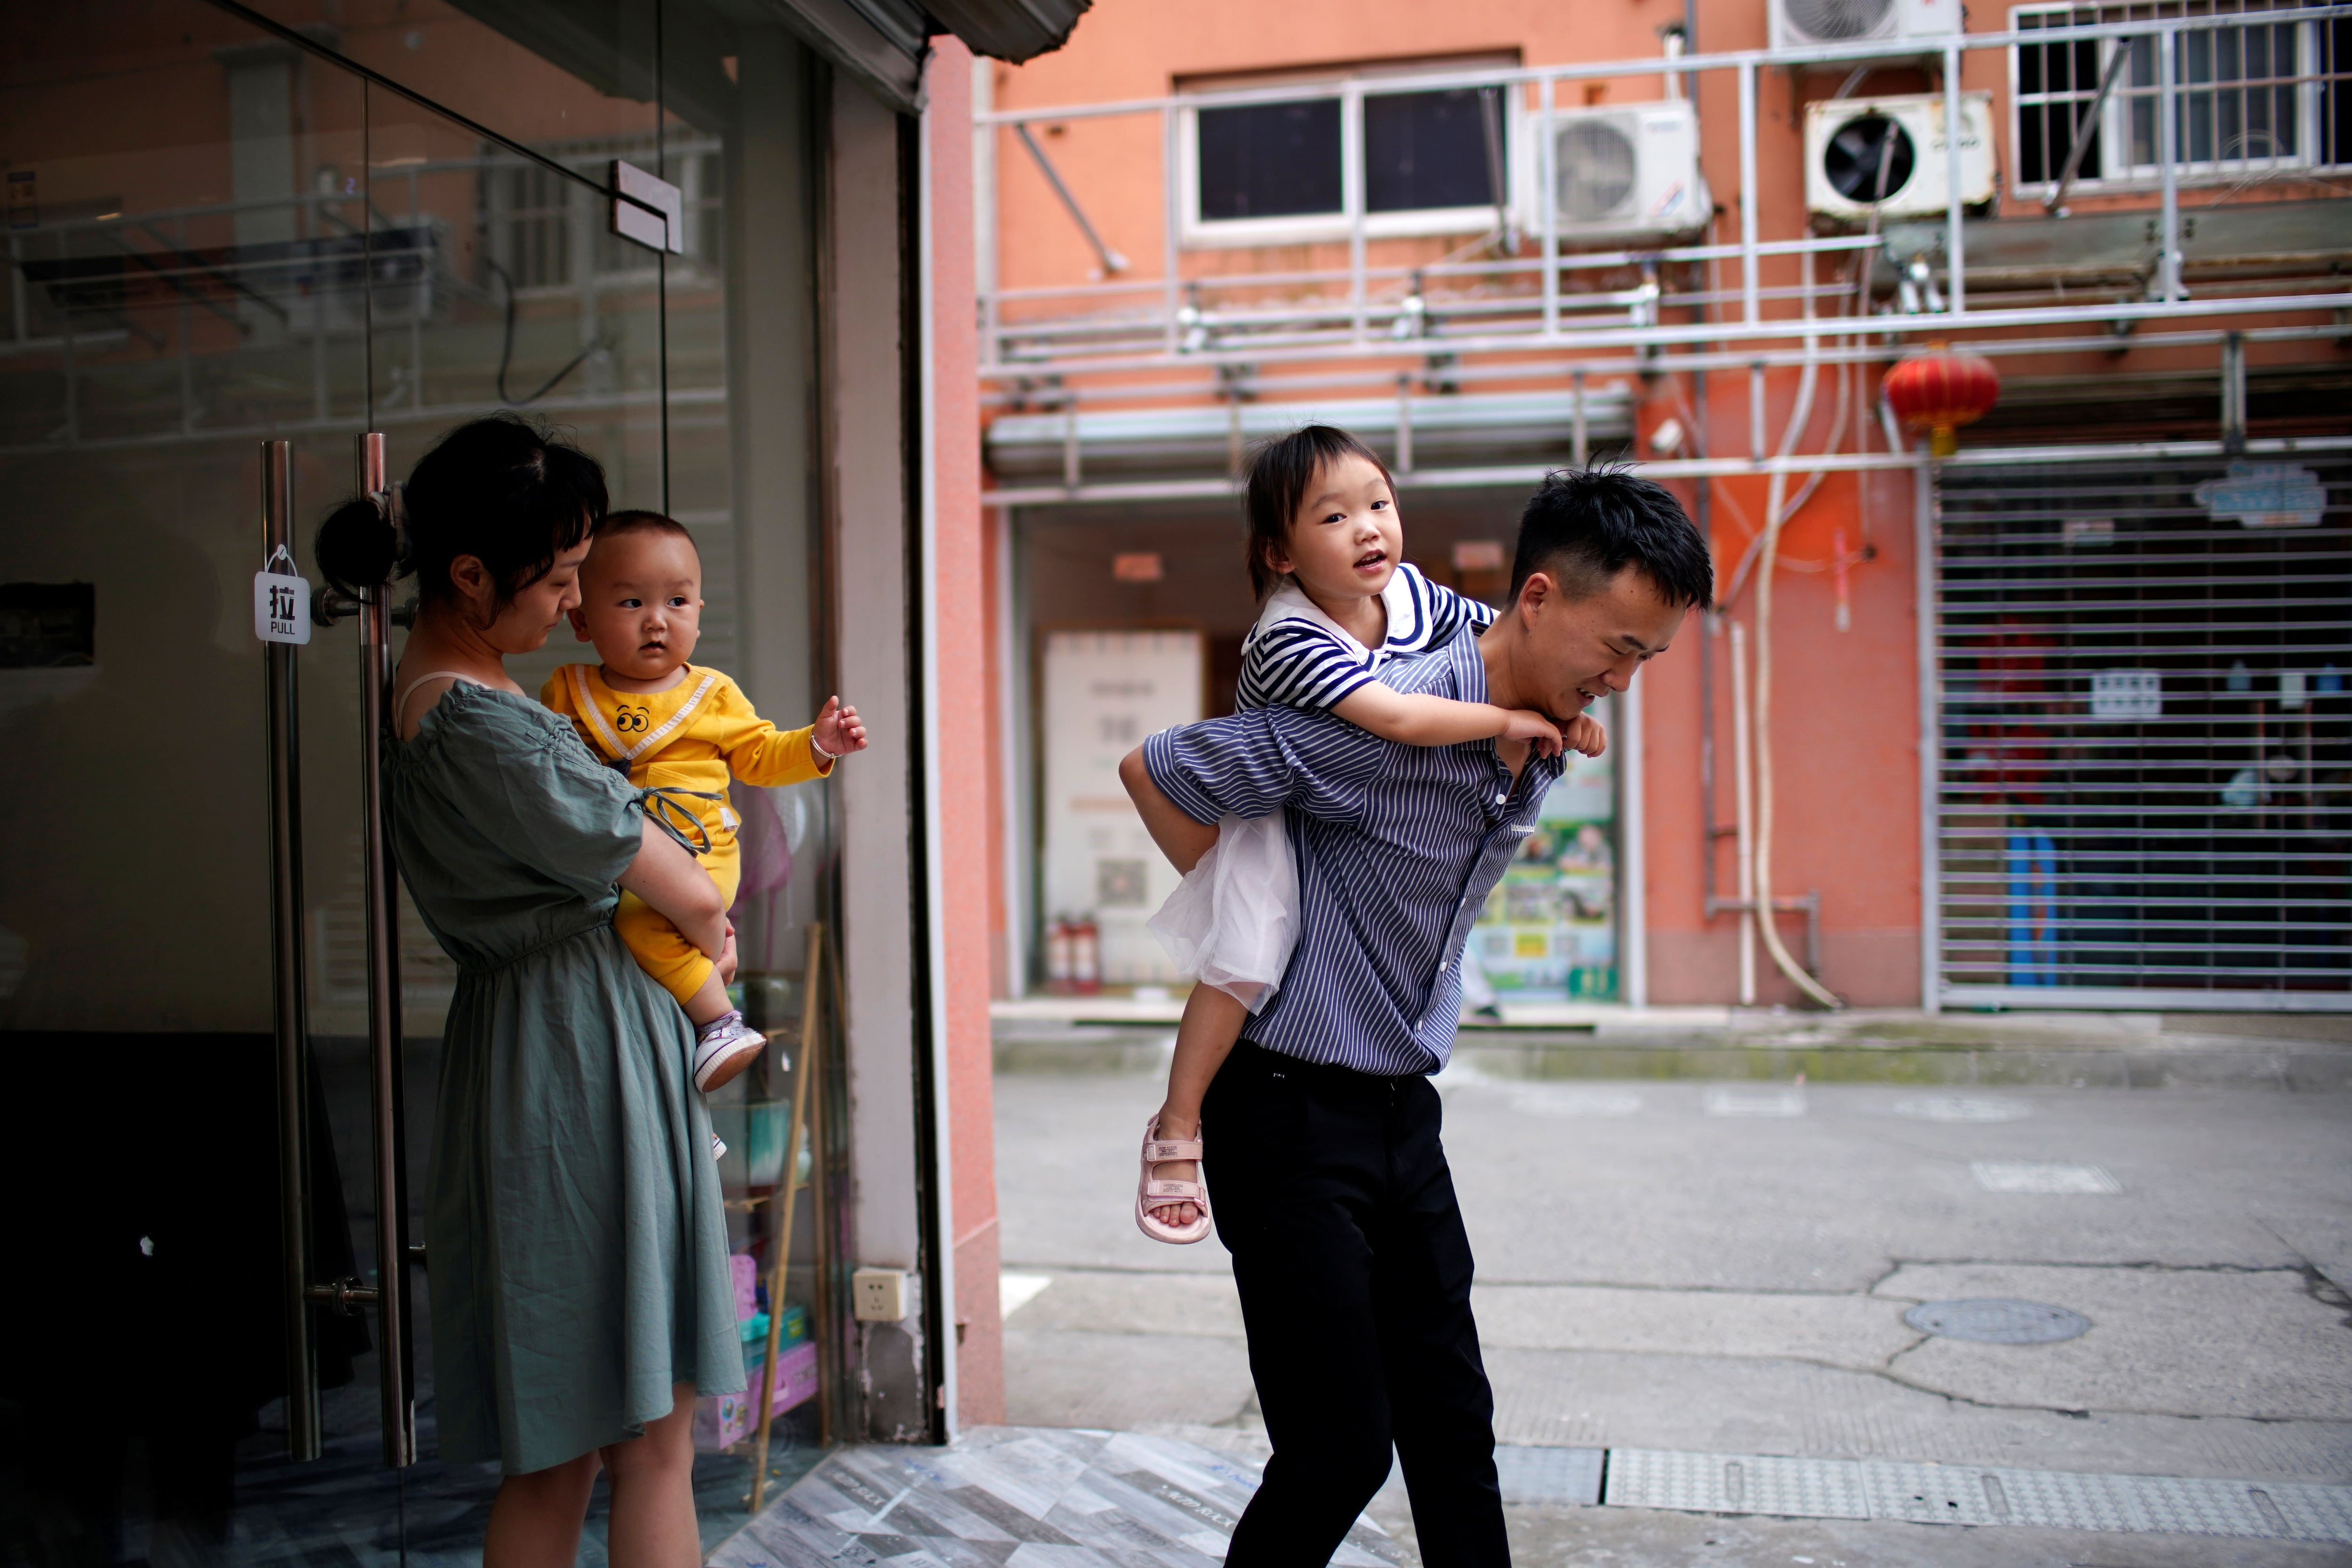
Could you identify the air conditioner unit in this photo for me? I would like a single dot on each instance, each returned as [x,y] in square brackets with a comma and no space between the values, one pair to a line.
[1890,155]
[1628,172]
[1910,26]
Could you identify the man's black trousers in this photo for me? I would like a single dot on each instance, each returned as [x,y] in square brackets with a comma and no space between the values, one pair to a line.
[1331,1191]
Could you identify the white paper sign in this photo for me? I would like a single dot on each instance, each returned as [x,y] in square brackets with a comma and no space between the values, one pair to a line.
[2127,694]
[2265,495]
[282,607]
[1104,692]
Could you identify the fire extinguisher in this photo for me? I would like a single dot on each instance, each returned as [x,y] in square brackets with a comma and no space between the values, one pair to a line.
[1085,955]
[1057,954]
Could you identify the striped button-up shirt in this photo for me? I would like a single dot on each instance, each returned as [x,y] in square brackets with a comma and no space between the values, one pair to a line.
[1397,847]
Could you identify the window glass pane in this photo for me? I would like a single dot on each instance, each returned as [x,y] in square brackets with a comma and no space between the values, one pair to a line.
[2335,117]
[1270,160]
[544,72]
[1428,150]
[2057,83]
[2034,161]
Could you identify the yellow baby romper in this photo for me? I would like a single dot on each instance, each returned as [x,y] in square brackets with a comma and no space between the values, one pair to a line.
[692,737]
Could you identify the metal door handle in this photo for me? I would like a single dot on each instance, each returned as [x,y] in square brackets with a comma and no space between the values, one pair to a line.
[389,1296]
[290,1017]
[383,894]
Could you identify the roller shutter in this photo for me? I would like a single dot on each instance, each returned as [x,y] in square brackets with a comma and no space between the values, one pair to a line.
[2143,784]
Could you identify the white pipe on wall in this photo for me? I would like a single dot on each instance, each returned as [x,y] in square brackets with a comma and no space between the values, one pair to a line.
[1632,870]
[1743,815]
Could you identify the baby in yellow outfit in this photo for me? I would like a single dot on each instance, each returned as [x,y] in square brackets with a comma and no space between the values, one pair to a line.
[672,725]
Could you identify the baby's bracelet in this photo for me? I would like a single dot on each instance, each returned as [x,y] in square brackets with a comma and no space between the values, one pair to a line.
[819,751]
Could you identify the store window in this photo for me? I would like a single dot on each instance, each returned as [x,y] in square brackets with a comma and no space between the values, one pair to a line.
[216,236]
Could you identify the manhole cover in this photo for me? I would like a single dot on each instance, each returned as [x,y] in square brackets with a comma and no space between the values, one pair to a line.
[1995,1320]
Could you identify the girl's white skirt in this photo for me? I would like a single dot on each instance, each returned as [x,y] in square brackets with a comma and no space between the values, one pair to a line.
[1234,920]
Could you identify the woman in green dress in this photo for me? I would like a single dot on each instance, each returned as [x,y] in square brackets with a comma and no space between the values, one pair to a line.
[576,1243]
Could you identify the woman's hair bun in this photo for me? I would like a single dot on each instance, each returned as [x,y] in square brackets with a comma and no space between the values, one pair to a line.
[356,548]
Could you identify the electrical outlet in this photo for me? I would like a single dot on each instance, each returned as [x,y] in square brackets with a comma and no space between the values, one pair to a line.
[880,1295]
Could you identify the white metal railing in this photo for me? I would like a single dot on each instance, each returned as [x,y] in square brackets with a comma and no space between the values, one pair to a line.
[1371,306]
[1522,304]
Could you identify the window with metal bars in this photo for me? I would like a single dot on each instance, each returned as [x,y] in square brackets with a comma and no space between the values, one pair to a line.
[2251,96]
[2145,776]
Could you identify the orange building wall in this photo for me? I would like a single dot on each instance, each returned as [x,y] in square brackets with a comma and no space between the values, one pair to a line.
[1846,721]
[967,808]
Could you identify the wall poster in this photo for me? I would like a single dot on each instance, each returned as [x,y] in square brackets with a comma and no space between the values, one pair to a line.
[1548,932]
[1101,692]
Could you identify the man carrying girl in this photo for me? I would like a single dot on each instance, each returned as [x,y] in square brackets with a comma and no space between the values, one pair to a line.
[1319,1129]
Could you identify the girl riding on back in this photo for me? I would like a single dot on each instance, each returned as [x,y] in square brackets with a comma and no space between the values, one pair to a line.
[1326,556]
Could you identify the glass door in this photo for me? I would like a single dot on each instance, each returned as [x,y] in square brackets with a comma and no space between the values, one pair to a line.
[219,236]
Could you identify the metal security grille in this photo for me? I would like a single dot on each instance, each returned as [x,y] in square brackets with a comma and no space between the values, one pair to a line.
[2145,785]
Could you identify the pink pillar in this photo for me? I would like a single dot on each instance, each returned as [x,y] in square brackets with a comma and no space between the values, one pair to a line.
[968,814]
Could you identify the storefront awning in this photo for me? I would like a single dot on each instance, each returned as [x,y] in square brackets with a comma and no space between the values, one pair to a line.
[877,43]
[881,42]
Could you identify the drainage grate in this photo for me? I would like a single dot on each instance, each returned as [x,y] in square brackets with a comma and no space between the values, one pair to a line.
[1977,1495]
[1549,1475]
[1997,1320]
[2039,1176]
[1736,1483]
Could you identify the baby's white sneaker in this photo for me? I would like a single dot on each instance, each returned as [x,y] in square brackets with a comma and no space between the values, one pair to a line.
[723,1047]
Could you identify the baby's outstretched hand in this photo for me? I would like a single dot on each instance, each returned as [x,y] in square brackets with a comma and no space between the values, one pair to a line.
[1585,734]
[1526,724]
[837,729]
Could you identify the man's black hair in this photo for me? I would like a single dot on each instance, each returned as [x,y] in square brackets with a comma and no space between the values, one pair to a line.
[1584,526]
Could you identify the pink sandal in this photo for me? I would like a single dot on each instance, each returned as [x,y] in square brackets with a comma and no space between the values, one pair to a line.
[1150,1193]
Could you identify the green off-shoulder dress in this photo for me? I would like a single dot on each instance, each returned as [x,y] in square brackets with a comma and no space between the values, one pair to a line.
[575,1244]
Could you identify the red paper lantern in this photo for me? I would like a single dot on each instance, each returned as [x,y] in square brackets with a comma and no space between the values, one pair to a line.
[1940,390]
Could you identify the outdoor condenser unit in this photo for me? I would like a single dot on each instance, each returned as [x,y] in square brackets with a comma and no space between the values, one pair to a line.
[1627,173]
[1906,25]
[1890,153]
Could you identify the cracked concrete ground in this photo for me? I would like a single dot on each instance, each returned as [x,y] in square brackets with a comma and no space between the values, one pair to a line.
[1654,1274]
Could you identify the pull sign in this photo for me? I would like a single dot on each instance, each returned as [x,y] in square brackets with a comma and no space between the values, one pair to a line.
[664,228]
[282,607]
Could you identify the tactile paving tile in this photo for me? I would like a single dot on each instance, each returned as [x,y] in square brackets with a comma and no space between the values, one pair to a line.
[2180,1505]
[2312,1513]
[1549,1475]
[1737,1483]
[1977,1495]
[2067,1499]
[1927,1494]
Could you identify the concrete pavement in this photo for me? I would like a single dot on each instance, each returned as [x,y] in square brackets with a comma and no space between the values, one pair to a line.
[1722,1264]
